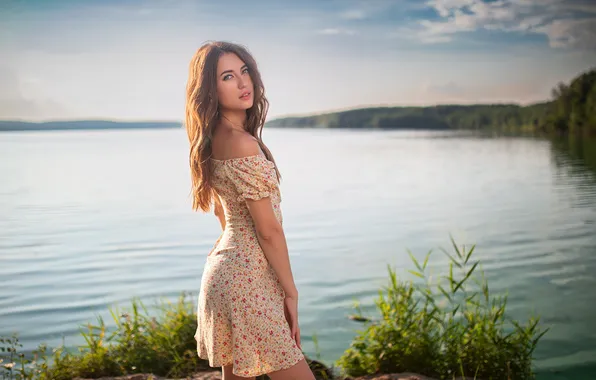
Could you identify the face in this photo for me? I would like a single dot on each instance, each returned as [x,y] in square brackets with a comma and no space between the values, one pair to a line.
[233,80]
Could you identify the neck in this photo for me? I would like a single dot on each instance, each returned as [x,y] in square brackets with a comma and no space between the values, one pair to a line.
[237,118]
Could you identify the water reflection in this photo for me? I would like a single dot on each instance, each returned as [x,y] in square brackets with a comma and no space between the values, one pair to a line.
[574,180]
[574,161]
[579,151]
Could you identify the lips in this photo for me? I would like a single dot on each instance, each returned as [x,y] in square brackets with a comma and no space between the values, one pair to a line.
[245,95]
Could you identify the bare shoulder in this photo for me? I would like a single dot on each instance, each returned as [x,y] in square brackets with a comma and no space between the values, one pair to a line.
[229,144]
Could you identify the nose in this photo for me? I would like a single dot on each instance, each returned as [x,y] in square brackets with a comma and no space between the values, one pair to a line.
[241,82]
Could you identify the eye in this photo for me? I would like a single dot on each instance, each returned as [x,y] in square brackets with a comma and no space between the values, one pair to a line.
[243,71]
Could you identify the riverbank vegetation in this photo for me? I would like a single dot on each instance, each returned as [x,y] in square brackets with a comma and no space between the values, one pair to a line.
[445,329]
[572,109]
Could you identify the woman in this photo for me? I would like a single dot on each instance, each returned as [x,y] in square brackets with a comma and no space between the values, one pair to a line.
[247,315]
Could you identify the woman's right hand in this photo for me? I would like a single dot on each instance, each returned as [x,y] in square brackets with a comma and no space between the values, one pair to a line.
[291,313]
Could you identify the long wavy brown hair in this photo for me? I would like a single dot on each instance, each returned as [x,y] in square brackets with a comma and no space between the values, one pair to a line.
[202,114]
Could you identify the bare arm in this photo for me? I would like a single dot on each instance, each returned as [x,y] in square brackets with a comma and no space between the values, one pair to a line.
[270,233]
[273,242]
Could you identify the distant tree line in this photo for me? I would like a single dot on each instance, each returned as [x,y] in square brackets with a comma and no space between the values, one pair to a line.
[17,125]
[571,110]
[574,106]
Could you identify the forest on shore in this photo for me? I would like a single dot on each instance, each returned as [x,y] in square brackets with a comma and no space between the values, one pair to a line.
[572,109]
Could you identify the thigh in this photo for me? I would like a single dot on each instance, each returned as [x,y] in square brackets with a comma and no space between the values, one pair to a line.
[228,375]
[299,371]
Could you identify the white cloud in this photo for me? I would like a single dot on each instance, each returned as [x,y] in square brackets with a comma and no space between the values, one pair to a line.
[566,23]
[445,7]
[353,14]
[16,104]
[572,33]
[521,92]
[336,31]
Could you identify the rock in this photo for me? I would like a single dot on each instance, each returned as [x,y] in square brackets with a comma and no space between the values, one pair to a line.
[320,370]
[213,375]
[208,375]
[395,376]
[400,376]
[216,375]
[358,318]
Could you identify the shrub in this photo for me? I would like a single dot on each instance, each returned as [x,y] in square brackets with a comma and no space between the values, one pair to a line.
[164,346]
[445,329]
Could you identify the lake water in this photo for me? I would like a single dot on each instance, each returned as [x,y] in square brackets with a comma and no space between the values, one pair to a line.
[90,219]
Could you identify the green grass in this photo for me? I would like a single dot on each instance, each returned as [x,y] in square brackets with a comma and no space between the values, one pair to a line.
[445,329]
[163,345]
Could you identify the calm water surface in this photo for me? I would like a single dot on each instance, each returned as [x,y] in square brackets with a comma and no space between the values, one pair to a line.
[90,219]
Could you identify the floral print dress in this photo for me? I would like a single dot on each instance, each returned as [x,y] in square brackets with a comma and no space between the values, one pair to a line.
[240,312]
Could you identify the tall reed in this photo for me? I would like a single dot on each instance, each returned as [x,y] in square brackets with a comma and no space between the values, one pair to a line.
[446,328]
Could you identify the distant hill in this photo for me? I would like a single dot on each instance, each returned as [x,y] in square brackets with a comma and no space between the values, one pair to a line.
[572,110]
[440,117]
[9,125]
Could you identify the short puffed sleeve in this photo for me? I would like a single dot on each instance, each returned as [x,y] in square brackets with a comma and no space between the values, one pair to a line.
[254,177]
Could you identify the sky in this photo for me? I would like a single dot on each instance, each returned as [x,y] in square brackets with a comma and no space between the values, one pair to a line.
[128,59]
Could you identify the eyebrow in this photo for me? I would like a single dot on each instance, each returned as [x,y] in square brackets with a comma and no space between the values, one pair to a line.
[231,71]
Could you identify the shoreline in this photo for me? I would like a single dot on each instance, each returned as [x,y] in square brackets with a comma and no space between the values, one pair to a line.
[433,329]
